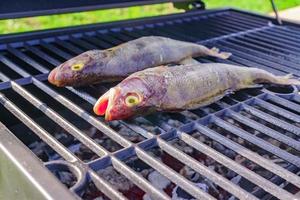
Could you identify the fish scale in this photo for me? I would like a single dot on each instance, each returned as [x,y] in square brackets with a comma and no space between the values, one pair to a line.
[184,87]
[117,63]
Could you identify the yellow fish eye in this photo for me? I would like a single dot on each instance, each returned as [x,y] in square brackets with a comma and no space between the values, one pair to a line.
[132,100]
[77,67]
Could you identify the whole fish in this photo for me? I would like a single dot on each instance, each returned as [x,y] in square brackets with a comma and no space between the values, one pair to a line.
[117,63]
[179,88]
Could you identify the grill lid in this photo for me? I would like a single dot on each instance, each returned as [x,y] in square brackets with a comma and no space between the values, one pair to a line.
[29,8]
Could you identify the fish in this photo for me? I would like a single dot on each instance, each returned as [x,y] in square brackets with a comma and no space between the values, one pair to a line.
[115,64]
[181,87]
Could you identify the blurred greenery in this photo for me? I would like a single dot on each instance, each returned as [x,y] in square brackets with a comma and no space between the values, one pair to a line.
[62,20]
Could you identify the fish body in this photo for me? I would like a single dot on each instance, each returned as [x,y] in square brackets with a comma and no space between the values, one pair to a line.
[116,63]
[180,87]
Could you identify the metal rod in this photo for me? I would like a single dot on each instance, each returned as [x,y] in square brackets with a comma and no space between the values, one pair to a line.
[201,169]
[273,120]
[257,141]
[243,171]
[172,175]
[276,12]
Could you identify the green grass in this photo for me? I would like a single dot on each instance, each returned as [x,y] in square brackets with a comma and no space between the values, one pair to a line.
[63,20]
[262,6]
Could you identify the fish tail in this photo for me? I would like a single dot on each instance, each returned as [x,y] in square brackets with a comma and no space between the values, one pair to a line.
[287,80]
[215,52]
[262,76]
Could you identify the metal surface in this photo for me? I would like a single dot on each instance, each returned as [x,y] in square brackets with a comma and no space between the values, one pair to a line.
[276,12]
[30,8]
[254,41]
[24,173]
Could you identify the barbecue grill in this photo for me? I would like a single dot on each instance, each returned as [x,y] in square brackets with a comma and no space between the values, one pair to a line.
[245,146]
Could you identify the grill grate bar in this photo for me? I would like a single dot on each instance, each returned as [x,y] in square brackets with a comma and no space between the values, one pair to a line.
[243,171]
[251,18]
[284,102]
[257,141]
[243,151]
[253,55]
[53,49]
[83,114]
[236,59]
[100,151]
[138,179]
[266,45]
[13,66]
[203,170]
[283,36]
[286,32]
[175,33]
[274,42]
[173,176]
[261,51]
[265,130]
[42,55]
[216,27]
[106,187]
[273,108]
[92,39]
[231,26]
[289,127]
[275,35]
[255,158]
[223,160]
[4,78]
[238,21]
[82,44]
[68,45]
[43,134]
[26,59]
[268,49]
[241,58]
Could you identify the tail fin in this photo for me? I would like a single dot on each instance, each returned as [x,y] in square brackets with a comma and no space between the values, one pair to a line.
[216,53]
[287,80]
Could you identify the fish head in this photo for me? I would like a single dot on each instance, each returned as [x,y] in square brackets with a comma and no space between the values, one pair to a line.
[78,70]
[129,98]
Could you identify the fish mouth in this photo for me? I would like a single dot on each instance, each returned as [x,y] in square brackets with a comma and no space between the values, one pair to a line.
[53,78]
[105,103]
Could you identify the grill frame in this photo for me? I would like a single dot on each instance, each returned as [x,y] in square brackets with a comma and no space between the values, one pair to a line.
[129,148]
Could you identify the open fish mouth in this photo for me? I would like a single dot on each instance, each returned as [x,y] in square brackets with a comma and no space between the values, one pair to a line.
[55,78]
[52,76]
[104,104]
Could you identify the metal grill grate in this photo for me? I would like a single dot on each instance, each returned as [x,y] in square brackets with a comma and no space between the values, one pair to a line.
[257,126]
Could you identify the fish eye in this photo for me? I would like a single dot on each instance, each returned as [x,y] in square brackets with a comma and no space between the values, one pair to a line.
[77,67]
[132,100]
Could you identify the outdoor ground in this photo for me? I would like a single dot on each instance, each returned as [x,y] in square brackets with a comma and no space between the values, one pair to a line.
[27,24]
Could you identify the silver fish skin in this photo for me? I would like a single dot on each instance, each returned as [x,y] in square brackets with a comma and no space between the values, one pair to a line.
[96,66]
[190,87]
[180,88]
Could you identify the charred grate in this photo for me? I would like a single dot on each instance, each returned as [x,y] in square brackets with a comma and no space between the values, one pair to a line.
[245,146]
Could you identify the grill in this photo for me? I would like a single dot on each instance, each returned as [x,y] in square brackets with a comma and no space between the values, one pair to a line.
[245,146]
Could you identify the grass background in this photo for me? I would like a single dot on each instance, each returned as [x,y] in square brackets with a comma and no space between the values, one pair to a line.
[55,21]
